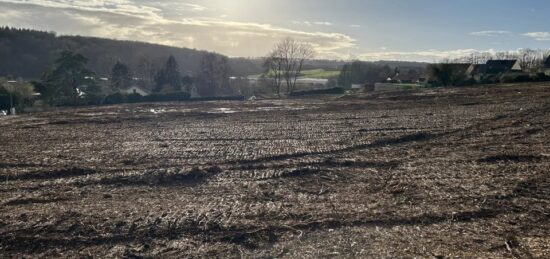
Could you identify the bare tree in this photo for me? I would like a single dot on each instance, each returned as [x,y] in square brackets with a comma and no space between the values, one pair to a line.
[19,91]
[529,59]
[286,62]
[213,76]
[273,66]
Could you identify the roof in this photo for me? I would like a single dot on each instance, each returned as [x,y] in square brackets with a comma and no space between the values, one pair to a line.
[547,62]
[459,67]
[479,69]
[500,66]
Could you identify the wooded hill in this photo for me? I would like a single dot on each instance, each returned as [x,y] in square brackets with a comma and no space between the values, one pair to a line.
[28,53]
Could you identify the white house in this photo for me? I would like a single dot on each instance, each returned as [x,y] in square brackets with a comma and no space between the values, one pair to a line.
[135,90]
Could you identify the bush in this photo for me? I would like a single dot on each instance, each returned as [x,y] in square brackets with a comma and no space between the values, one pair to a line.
[93,99]
[137,98]
[490,80]
[169,97]
[335,90]
[542,77]
[115,98]
[516,79]
[220,98]
[5,100]
[134,98]
[468,82]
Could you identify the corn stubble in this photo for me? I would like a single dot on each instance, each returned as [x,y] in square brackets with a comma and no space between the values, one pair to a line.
[429,173]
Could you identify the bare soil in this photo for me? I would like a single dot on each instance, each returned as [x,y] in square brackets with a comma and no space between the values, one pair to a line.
[456,172]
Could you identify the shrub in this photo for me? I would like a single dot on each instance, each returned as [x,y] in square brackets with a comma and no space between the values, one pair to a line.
[490,80]
[335,90]
[94,99]
[220,98]
[169,97]
[516,79]
[115,98]
[542,77]
[5,99]
[134,98]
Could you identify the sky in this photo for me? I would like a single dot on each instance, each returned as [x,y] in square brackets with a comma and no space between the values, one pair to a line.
[415,30]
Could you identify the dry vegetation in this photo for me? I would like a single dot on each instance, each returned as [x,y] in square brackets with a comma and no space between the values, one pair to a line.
[428,173]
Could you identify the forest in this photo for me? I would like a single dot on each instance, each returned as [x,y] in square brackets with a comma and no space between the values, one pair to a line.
[28,53]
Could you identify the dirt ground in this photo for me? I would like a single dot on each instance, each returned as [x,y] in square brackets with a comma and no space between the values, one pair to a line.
[435,173]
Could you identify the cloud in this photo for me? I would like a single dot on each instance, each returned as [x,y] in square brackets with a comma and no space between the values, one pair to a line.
[489,33]
[540,36]
[308,23]
[122,7]
[179,6]
[129,20]
[355,26]
[424,56]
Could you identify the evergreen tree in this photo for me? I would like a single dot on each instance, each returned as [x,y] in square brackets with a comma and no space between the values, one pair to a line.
[120,76]
[169,76]
[69,73]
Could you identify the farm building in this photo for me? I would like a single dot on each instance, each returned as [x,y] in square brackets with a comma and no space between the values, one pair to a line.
[495,67]
[136,90]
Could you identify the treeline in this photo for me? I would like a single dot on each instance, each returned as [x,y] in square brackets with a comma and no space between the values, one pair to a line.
[359,72]
[70,81]
[530,60]
[473,69]
[27,53]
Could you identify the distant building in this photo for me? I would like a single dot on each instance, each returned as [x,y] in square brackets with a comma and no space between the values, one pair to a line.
[495,67]
[135,90]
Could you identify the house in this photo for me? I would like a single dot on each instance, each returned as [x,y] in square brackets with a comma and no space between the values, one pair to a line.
[135,90]
[496,67]
[459,68]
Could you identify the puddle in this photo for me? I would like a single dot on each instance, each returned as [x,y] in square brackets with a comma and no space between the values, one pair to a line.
[223,110]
